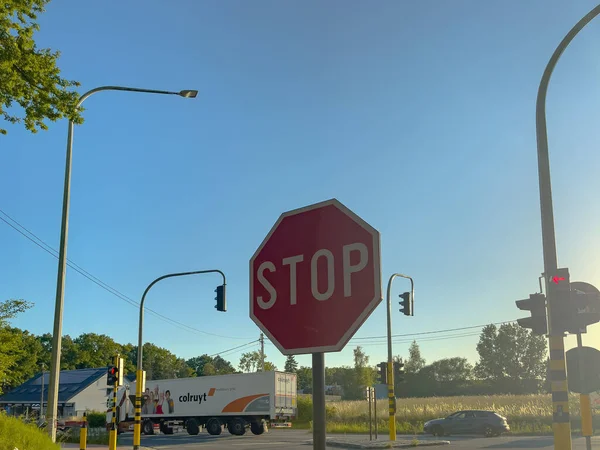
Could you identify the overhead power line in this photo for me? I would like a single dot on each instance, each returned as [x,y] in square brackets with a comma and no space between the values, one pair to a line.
[239,347]
[431,332]
[23,231]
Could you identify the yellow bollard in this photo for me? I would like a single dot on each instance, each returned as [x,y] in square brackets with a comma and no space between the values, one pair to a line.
[83,434]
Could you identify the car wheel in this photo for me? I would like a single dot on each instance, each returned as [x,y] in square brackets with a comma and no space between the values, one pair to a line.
[258,428]
[192,427]
[148,427]
[488,431]
[237,427]
[213,426]
[438,430]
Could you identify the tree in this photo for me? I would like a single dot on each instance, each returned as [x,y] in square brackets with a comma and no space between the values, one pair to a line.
[205,365]
[95,350]
[291,365]
[415,361]
[251,362]
[25,356]
[159,363]
[10,341]
[304,379]
[222,366]
[510,353]
[29,77]
[449,370]
[362,375]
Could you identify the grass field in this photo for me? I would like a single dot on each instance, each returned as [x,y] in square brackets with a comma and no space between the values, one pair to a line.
[526,414]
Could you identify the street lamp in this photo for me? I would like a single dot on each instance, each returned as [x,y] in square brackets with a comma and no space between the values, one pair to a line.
[561,423]
[53,381]
[137,427]
[390,364]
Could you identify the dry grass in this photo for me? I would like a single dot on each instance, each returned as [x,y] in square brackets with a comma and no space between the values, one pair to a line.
[526,414]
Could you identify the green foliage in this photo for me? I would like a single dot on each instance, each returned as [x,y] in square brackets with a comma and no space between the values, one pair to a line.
[251,362]
[291,365]
[510,353]
[95,350]
[96,419]
[31,88]
[304,379]
[305,412]
[159,363]
[415,361]
[15,434]
[13,345]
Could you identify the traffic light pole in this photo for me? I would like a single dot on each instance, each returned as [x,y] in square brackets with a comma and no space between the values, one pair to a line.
[112,437]
[560,405]
[390,365]
[137,424]
[585,405]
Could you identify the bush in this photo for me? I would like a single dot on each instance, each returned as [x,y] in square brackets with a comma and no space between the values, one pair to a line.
[305,409]
[96,419]
[16,434]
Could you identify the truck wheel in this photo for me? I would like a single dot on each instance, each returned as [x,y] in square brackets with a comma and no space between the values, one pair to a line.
[257,428]
[192,427]
[148,427]
[237,427]
[213,426]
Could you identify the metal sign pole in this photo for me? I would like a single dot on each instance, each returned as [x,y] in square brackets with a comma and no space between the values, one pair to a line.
[584,404]
[375,410]
[370,414]
[318,368]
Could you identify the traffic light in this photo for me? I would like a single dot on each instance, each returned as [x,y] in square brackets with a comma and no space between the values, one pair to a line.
[382,372]
[405,303]
[536,303]
[115,373]
[220,298]
[398,371]
[112,376]
[561,310]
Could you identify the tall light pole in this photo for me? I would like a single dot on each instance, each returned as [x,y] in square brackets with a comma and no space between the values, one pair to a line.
[53,381]
[139,377]
[560,401]
[390,364]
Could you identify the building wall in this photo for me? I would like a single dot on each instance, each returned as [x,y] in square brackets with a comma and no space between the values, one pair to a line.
[92,398]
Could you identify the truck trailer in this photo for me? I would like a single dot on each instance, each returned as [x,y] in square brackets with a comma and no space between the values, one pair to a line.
[236,402]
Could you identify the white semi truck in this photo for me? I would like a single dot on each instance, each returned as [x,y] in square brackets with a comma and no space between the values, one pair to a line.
[236,402]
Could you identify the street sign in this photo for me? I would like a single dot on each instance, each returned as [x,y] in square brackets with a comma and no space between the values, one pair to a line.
[315,278]
[583,369]
[586,300]
[595,399]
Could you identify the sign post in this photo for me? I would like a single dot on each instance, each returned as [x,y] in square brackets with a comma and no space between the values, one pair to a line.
[314,280]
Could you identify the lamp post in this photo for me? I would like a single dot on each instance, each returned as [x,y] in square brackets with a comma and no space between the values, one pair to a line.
[560,405]
[390,364]
[139,378]
[53,381]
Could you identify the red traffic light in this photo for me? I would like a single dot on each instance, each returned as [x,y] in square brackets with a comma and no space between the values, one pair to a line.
[556,279]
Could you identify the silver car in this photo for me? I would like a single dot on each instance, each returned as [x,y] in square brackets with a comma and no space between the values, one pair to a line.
[487,423]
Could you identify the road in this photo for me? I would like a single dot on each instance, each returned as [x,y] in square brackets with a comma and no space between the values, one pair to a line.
[299,440]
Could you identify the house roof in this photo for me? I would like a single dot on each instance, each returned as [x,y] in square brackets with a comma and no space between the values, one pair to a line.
[71,382]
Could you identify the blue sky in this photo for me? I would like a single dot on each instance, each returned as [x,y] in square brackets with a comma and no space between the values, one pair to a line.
[417,115]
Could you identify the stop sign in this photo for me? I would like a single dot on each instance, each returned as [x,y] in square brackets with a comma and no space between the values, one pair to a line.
[315,278]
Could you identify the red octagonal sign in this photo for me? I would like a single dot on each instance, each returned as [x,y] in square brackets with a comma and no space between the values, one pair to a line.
[315,278]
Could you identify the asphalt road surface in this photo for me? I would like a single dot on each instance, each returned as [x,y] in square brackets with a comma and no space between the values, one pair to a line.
[300,440]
